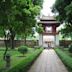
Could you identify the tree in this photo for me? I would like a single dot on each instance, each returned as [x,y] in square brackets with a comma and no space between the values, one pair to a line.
[17,16]
[59,7]
[39,29]
[38,2]
[6,19]
[26,15]
[68,10]
[67,31]
[64,10]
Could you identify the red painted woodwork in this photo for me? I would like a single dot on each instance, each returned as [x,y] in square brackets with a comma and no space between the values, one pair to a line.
[53,28]
[49,22]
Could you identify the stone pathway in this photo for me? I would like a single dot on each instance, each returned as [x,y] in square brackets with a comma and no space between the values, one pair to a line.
[48,61]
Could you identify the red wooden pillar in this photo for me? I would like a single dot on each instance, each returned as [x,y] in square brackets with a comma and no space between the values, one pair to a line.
[54,29]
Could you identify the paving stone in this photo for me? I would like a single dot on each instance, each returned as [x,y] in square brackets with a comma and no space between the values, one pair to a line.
[48,61]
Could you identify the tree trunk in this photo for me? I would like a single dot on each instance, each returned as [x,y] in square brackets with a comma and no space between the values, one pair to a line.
[12,38]
[6,45]
[12,43]
[5,49]
[25,40]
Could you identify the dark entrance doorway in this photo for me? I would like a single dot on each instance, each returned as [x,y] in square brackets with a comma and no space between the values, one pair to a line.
[49,44]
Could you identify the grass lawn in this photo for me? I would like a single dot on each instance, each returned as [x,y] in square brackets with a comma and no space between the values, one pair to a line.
[16,57]
[65,57]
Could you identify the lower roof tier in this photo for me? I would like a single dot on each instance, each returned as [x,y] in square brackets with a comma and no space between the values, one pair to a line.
[49,23]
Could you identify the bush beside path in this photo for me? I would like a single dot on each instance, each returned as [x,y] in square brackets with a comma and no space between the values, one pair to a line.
[67,60]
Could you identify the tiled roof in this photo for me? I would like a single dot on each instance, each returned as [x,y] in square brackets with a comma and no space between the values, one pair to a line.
[49,22]
[47,18]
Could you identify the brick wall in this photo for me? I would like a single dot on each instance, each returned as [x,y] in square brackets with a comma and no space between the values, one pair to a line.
[65,43]
[17,43]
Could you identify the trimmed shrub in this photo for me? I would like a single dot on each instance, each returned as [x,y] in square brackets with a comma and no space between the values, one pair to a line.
[67,60]
[23,49]
[24,65]
[70,48]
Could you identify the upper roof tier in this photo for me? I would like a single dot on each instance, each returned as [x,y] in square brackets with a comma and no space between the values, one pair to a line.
[47,18]
[49,21]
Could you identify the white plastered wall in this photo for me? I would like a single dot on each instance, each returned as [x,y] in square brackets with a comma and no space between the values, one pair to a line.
[40,40]
[47,38]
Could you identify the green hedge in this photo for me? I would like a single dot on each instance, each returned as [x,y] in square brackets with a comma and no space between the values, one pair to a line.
[26,63]
[67,60]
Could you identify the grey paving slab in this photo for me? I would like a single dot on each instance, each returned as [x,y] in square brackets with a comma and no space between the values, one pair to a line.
[48,61]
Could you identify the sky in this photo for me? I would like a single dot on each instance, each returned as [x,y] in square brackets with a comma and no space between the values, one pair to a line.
[47,4]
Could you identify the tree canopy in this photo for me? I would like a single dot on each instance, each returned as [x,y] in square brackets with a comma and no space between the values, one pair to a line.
[19,14]
[63,8]
[18,17]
